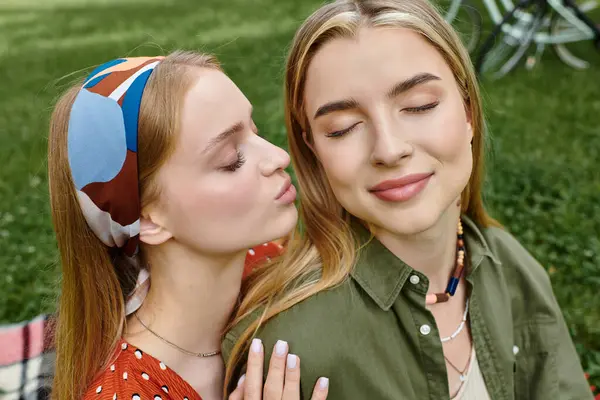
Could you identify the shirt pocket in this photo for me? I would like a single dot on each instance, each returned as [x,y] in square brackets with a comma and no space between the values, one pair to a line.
[536,373]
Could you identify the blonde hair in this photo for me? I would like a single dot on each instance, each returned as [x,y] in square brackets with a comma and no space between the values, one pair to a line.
[95,279]
[325,254]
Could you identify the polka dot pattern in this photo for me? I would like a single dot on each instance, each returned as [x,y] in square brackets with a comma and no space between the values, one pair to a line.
[136,375]
[261,255]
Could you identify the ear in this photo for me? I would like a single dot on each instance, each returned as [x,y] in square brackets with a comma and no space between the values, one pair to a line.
[308,143]
[153,233]
[470,131]
[469,122]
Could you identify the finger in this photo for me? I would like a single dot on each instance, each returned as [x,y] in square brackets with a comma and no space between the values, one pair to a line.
[291,388]
[321,389]
[238,393]
[253,384]
[275,377]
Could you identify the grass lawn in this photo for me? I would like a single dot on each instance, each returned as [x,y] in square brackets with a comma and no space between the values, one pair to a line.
[544,175]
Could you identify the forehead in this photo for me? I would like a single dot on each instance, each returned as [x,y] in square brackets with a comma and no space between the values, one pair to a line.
[372,61]
[212,104]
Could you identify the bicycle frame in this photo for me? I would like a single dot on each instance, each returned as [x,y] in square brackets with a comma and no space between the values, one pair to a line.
[574,26]
[580,31]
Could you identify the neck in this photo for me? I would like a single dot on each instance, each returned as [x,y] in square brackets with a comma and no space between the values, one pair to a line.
[432,252]
[191,297]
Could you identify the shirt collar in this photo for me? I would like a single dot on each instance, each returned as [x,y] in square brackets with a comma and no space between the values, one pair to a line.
[477,245]
[382,275]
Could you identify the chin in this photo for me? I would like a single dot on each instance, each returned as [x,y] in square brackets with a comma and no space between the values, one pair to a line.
[278,227]
[409,222]
[414,225]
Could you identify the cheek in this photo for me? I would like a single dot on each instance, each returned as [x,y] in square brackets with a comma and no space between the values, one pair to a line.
[448,136]
[341,161]
[345,165]
[223,198]
[211,201]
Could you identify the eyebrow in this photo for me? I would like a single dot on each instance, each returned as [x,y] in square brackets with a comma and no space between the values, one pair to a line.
[229,132]
[399,88]
[334,106]
[410,83]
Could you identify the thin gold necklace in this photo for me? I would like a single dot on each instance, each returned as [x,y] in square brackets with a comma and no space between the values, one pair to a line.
[462,375]
[190,353]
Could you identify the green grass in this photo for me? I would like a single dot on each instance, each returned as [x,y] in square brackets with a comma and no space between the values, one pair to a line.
[544,175]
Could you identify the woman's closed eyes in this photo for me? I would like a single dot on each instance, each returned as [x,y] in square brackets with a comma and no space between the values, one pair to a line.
[412,110]
[421,109]
[237,164]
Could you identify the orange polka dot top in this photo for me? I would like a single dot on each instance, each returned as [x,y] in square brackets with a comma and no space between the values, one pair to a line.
[135,375]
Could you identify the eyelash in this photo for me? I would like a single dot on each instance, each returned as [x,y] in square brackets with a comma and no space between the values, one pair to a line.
[414,110]
[420,109]
[337,134]
[237,164]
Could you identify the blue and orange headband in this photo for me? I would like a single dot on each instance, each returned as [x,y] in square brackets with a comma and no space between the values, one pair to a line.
[102,149]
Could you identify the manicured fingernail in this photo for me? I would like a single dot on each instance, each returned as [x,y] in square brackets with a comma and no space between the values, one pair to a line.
[256,345]
[292,360]
[323,383]
[241,380]
[281,347]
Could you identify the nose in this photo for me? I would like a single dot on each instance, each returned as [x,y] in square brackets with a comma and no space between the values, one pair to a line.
[389,147]
[275,159]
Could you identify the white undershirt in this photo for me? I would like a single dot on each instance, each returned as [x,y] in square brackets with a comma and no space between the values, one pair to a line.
[474,387]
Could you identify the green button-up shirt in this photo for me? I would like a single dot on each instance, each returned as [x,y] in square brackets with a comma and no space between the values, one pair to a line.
[368,337]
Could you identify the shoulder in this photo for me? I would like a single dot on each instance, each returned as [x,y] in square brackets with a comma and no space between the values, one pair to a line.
[315,329]
[131,376]
[306,326]
[527,280]
[119,380]
[513,255]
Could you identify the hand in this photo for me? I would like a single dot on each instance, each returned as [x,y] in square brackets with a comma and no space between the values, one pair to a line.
[283,378]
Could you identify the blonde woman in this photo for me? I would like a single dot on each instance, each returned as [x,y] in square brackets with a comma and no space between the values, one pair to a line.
[402,286]
[157,173]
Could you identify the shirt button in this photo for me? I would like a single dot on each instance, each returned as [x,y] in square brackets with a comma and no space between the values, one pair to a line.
[515,350]
[425,330]
[414,279]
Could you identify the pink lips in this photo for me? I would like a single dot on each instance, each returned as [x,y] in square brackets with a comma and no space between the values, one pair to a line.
[287,194]
[401,189]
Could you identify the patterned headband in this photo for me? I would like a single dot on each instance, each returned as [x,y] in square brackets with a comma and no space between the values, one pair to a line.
[102,149]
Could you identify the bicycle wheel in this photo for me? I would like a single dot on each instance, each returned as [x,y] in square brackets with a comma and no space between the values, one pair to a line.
[570,52]
[465,18]
[510,40]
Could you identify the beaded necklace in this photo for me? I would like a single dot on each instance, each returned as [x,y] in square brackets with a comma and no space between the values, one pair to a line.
[458,272]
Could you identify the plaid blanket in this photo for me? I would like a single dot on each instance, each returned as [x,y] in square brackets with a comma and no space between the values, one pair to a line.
[26,360]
